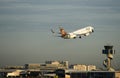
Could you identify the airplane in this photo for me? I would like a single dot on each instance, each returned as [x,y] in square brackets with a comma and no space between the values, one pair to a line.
[78,33]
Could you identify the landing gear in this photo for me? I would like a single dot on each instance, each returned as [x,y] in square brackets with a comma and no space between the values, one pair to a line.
[79,36]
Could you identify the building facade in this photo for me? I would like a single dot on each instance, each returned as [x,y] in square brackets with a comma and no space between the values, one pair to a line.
[81,67]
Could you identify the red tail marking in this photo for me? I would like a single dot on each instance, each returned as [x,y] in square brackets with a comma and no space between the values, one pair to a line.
[62,32]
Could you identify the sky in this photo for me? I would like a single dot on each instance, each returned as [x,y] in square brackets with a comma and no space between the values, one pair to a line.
[25,35]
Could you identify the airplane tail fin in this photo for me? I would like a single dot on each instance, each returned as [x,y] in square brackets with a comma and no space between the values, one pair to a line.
[62,32]
[52,31]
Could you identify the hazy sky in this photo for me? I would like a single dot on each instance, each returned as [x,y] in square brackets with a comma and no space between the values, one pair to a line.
[25,35]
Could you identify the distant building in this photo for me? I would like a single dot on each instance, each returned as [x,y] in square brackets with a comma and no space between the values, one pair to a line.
[80,67]
[32,66]
[57,64]
[48,66]
[14,67]
[91,67]
[117,74]
[52,62]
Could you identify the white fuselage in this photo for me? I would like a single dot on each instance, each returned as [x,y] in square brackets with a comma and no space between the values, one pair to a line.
[78,33]
[70,36]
